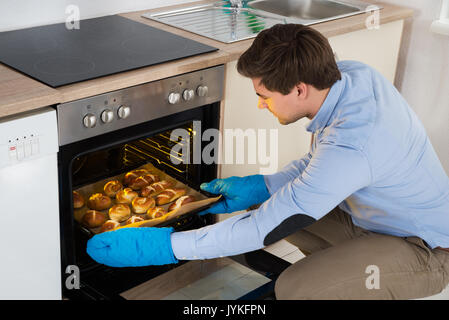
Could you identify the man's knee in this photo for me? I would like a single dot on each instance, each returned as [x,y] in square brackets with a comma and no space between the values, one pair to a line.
[314,278]
[281,288]
[290,285]
[304,284]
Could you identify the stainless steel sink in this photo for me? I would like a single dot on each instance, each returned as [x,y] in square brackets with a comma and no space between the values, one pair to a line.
[219,21]
[308,9]
[234,20]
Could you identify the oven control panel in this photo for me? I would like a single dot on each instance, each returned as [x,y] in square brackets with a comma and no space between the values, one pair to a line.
[89,117]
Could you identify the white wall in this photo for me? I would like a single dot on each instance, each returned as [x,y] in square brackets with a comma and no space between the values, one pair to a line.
[423,72]
[18,14]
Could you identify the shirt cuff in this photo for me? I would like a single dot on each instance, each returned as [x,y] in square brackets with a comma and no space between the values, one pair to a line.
[183,245]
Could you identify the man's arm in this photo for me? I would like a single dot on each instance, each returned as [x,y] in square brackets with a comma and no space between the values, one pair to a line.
[291,171]
[333,173]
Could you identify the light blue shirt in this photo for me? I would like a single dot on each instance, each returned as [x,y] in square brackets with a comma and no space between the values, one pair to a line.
[370,156]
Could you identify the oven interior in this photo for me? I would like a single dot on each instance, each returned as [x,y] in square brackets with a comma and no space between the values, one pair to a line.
[102,282]
[155,149]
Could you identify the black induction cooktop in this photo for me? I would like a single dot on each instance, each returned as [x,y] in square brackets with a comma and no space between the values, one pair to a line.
[102,46]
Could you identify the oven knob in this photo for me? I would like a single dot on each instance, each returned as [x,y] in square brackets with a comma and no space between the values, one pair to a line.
[188,94]
[202,91]
[89,120]
[174,98]
[107,116]
[123,112]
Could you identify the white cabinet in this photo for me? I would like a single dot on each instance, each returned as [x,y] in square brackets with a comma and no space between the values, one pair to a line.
[30,265]
[377,47]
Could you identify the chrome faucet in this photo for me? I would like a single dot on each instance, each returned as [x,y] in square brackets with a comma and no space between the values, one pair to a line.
[236,3]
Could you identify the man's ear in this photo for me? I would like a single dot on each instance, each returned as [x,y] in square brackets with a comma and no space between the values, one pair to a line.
[302,90]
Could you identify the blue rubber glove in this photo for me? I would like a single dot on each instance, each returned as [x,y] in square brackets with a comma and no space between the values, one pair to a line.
[132,247]
[239,193]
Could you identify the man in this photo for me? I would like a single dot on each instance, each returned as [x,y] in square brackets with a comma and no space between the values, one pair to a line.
[368,204]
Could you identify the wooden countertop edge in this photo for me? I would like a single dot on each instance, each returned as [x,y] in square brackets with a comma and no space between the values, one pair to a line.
[36,95]
[20,93]
[28,105]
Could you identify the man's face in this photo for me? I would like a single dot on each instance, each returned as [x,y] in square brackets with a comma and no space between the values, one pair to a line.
[287,108]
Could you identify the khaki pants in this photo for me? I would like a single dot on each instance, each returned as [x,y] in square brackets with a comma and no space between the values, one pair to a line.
[344,261]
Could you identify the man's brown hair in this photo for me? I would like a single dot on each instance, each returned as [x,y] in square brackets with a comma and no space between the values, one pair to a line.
[287,54]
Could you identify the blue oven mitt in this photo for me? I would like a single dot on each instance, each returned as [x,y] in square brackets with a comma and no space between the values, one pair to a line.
[132,247]
[239,193]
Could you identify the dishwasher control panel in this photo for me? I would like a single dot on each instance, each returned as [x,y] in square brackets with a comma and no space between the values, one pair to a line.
[23,147]
[28,136]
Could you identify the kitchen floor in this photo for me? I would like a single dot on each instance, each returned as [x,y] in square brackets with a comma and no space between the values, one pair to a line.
[233,280]
[285,250]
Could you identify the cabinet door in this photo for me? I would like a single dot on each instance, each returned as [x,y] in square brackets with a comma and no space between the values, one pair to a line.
[282,144]
[378,48]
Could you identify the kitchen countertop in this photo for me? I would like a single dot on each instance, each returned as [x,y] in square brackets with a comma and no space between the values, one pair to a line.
[19,93]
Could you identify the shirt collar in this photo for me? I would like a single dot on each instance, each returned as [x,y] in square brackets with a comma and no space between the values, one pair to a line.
[321,118]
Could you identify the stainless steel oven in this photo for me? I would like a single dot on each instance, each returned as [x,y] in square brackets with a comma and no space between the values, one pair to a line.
[112,133]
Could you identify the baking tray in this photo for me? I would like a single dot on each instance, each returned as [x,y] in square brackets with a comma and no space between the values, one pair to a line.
[203,202]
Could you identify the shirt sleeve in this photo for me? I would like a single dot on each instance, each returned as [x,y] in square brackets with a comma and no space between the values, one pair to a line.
[291,171]
[333,173]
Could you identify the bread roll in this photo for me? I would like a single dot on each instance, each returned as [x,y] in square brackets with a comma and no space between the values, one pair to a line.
[134,219]
[180,202]
[78,200]
[99,201]
[126,196]
[169,195]
[142,204]
[112,187]
[156,212]
[119,212]
[109,225]
[155,188]
[143,181]
[132,175]
[93,218]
